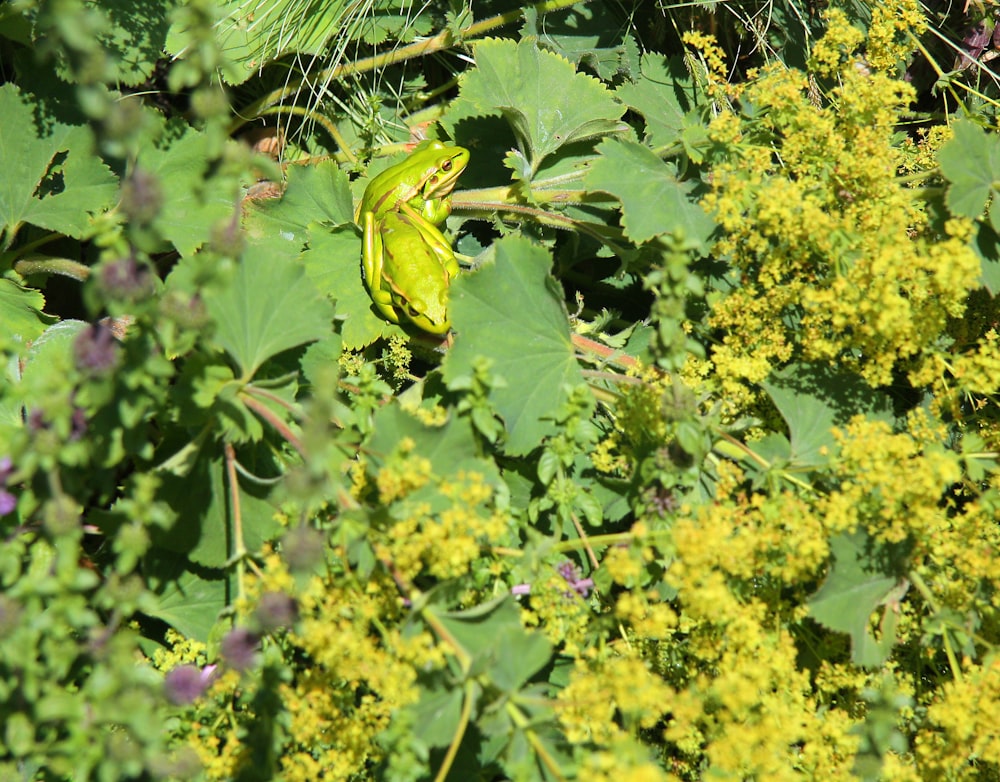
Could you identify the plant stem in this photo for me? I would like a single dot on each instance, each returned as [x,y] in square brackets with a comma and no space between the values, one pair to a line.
[443,40]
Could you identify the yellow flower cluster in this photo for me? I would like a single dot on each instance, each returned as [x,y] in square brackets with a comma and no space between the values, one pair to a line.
[837,261]
[361,671]
[891,33]
[963,727]
[890,484]
[441,542]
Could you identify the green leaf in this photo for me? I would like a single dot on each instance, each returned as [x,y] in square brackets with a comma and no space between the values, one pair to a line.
[585,34]
[666,96]
[313,194]
[137,35]
[510,311]
[21,311]
[813,399]
[271,306]
[450,448]
[986,244]
[970,161]
[547,103]
[204,526]
[51,176]
[333,263]
[864,574]
[186,597]
[188,214]
[495,642]
[654,202]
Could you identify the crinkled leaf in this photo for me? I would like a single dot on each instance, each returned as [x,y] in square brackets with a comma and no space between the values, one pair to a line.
[510,311]
[271,306]
[188,214]
[813,399]
[187,598]
[491,637]
[547,103]
[313,194]
[665,95]
[450,448]
[51,176]
[333,263]
[585,35]
[864,574]
[21,311]
[970,161]
[987,246]
[136,37]
[654,202]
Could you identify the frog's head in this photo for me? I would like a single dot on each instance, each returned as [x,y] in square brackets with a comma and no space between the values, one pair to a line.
[427,309]
[449,162]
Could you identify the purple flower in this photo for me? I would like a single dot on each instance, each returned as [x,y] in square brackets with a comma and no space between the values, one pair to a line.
[7,500]
[276,611]
[571,573]
[126,279]
[96,350]
[520,589]
[186,683]
[239,647]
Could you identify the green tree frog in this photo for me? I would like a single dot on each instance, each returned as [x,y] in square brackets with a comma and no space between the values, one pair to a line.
[407,262]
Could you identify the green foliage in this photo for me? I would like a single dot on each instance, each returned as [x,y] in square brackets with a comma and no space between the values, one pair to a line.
[701,484]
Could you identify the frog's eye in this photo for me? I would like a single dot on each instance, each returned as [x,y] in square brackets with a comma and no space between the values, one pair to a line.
[446,166]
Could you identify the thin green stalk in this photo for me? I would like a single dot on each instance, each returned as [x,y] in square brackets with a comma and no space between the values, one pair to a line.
[443,40]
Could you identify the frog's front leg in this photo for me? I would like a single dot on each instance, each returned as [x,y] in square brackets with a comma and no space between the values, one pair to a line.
[372,259]
[435,240]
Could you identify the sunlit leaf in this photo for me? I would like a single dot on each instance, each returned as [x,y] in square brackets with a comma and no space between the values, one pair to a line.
[654,201]
[510,312]
[51,176]
[270,306]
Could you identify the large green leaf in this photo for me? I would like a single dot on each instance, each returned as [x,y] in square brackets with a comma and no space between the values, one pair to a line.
[511,312]
[186,597]
[187,214]
[494,641]
[666,96]
[333,263]
[971,163]
[863,576]
[51,176]
[813,399]
[21,311]
[204,526]
[313,195]
[547,103]
[654,201]
[450,447]
[271,306]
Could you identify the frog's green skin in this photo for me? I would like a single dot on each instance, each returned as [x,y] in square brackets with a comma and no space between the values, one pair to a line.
[423,181]
[407,262]
[413,265]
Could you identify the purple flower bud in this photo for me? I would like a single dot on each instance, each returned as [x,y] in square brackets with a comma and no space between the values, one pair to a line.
[96,350]
[276,611]
[185,684]
[126,280]
[571,573]
[141,197]
[239,648]
[7,502]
